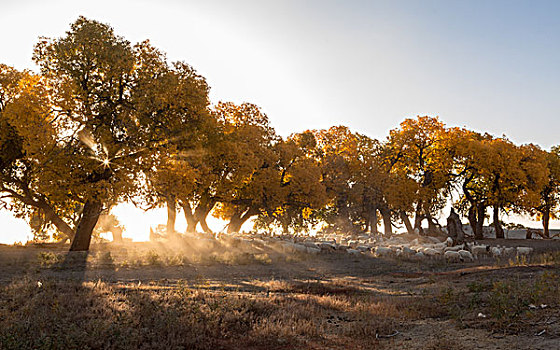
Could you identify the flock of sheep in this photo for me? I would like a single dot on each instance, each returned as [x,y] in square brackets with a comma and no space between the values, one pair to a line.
[396,247]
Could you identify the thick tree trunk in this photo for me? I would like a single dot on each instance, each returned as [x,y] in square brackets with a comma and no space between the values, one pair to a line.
[171,215]
[480,215]
[545,221]
[204,225]
[90,215]
[387,226]
[234,223]
[189,217]
[497,225]
[406,222]
[238,219]
[201,212]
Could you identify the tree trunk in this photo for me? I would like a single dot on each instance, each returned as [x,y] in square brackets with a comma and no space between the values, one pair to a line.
[117,234]
[373,221]
[344,222]
[497,225]
[285,227]
[204,225]
[201,212]
[545,221]
[171,215]
[387,226]
[480,215]
[418,217]
[234,223]
[406,222]
[90,215]
[433,229]
[472,218]
[237,220]
[189,216]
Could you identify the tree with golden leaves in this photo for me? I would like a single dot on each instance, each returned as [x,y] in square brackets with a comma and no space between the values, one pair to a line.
[300,192]
[418,150]
[547,207]
[103,111]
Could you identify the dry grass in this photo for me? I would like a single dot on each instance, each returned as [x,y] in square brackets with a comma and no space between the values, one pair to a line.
[74,315]
[510,305]
[227,300]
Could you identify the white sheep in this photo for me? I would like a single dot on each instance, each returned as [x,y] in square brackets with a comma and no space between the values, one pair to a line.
[408,251]
[479,250]
[496,251]
[452,256]
[524,250]
[312,250]
[453,248]
[311,245]
[353,251]
[509,251]
[431,252]
[327,246]
[299,248]
[382,251]
[466,255]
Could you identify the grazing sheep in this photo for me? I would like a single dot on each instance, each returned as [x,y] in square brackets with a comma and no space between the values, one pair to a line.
[524,250]
[310,244]
[353,251]
[452,256]
[466,255]
[509,251]
[453,248]
[312,250]
[496,251]
[327,246]
[408,251]
[300,248]
[479,250]
[431,252]
[383,251]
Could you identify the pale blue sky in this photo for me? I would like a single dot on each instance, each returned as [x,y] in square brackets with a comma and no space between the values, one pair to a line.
[488,65]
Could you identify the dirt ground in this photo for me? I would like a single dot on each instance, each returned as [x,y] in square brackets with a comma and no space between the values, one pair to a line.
[455,306]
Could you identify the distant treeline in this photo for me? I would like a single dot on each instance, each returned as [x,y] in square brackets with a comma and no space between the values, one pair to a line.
[105,121]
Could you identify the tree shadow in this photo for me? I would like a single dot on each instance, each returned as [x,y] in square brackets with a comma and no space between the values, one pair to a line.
[75,264]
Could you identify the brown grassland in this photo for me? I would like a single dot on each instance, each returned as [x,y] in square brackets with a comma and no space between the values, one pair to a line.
[155,296]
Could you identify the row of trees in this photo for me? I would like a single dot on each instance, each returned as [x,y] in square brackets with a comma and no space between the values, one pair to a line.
[106,121]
